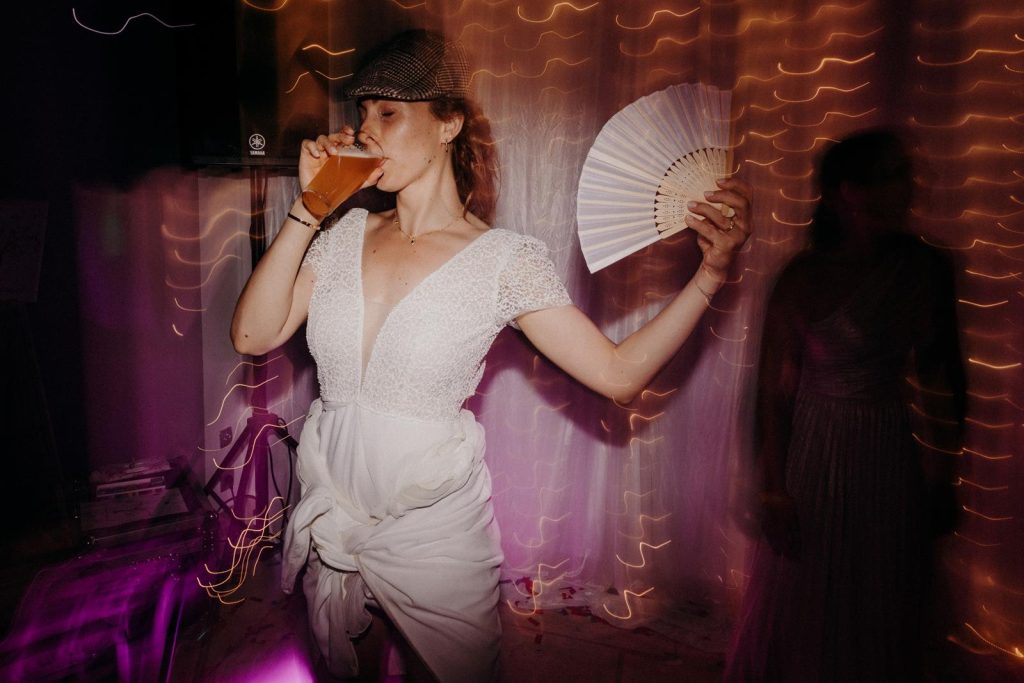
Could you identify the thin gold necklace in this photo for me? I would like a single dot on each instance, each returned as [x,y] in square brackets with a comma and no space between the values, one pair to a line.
[412,238]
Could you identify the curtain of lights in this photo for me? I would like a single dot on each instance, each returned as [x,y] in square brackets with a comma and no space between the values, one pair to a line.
[635,510]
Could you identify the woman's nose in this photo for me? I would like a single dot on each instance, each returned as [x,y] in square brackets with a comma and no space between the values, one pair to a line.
[367,134]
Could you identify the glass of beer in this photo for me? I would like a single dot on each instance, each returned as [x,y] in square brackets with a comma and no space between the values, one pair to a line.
[338,179]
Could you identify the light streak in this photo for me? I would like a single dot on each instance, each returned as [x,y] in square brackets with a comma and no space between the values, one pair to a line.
[767,136]
[220,252]
[209,275]
[832,36]
[823,62]
[252,448]
[986,456]
[981,305]
[634,416]
[836,7]
[539,39]
[766,110]
[645,392]
[808,200]
[773,242]
[126,22]
[285,427]
[970,23]
[212,222]
[728,339]
[266,9]
[763,163]
[251,364]
[655,16]
[186,309]
[331,78]
[548,64]
[745,26]
[994,366]
[625,599]
[986,517]
[1015,652]
[554,11]
[818,91]
[412,6]
[972,151]
[734,363]
[976,53]
[540,525]
[987,425]
[962,480]
[1008,276]
[492,74]
[176,330]
[252,540]
[237,386]
[318,46]
[974,243]
[801,150]
[657,45]
[964,121]
[475,24]
[828,114]
[296,83]
[643,559]
[803,224]
[974,542]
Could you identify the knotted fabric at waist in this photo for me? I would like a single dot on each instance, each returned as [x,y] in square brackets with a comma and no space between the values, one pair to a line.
[328,521]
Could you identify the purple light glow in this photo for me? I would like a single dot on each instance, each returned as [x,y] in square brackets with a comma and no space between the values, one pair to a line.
[105,615]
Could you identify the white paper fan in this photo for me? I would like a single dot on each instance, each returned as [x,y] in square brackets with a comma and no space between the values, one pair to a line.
[648,161]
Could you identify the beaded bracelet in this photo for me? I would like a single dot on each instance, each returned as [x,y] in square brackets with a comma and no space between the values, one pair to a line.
[299,220]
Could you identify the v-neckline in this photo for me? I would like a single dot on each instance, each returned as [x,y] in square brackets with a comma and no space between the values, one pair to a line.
[361,296]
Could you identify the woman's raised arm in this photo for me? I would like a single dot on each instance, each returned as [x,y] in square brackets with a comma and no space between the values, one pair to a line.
[620,371]
[275,300]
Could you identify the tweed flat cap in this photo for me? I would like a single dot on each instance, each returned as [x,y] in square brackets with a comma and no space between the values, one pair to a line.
[414,65]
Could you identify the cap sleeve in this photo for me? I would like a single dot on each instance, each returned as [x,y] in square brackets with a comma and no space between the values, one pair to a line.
[529,281]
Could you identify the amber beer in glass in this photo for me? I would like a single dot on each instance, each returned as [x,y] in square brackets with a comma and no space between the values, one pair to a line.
[338,179]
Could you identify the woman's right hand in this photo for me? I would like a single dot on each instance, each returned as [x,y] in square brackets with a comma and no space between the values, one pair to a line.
[313,155]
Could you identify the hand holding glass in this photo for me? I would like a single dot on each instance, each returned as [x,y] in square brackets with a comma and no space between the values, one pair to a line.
[338,179]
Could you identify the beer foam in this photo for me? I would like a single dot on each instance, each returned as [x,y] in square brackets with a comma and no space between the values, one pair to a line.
[357,152]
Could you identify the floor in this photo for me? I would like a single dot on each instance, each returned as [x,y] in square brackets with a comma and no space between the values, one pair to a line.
[135,612]
[103,614]
[264,639]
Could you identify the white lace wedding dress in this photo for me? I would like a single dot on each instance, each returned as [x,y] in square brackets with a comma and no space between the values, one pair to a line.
[395,496]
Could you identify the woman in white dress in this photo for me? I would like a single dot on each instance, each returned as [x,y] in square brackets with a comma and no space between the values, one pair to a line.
[402,306]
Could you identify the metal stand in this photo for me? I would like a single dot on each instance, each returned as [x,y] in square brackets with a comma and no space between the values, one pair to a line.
[254,441]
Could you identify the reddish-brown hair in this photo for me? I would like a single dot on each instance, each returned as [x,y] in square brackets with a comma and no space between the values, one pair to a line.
[474,157]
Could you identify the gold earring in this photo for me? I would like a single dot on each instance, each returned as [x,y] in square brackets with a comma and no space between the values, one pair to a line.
[447,144]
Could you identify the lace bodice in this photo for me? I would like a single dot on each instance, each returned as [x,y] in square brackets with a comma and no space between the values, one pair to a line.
[428,356]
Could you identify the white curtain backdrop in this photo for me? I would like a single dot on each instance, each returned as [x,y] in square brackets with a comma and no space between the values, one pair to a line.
[636,511]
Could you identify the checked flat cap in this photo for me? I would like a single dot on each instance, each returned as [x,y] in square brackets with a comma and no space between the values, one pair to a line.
[414,65]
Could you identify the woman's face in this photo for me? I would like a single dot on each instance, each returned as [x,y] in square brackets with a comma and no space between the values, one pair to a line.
[408,135]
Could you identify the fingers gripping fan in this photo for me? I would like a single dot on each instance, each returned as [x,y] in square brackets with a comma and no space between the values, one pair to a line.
[649,160]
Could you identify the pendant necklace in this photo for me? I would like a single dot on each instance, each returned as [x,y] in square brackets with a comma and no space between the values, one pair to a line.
[412,238]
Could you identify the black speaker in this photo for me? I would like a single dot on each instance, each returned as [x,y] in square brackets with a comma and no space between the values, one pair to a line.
[240,98]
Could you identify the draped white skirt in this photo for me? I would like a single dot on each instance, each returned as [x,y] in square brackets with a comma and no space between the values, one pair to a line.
[396,512]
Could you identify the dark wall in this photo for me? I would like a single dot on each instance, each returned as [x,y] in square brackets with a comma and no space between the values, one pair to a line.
[85,108]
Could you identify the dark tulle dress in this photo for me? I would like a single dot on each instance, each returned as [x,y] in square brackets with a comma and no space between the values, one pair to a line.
[849,608]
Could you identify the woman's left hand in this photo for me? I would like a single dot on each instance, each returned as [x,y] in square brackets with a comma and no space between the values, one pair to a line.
[721,235]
